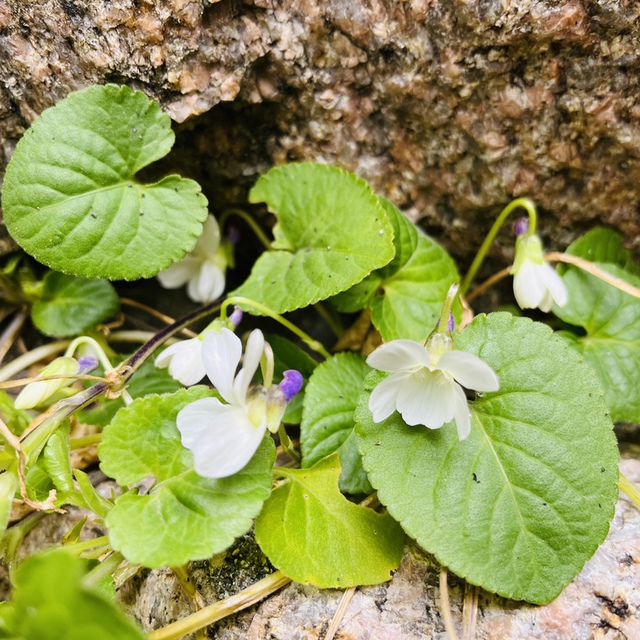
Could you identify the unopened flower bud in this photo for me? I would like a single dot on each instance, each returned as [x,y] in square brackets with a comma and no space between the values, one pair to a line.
[451,323]
[86,364]
[291,383]
[36,393]
[521,226]
[236,317]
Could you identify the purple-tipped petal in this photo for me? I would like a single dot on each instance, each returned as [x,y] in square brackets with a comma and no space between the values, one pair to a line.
[86,364]
[521,226]
[233,236]
[236,317]
[291,383]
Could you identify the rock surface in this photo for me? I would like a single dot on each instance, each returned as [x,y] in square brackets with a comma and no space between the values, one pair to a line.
[449,107]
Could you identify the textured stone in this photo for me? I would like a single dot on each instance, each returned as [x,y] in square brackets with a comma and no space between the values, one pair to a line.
[449,107]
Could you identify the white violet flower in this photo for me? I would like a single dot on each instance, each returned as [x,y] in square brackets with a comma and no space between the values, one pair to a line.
[426,382]
[224,437]
[204,268]
[535,282]
[184,358]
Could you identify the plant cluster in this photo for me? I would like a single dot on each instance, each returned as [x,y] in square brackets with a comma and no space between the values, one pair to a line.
[488,440]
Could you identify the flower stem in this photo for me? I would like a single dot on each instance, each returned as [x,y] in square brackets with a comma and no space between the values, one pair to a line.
[241,213]
[86,545]
[594,270]
[32,357]
[629,489]
[530,208]
[314,345]
[11,333]
[287,445]
[102,356]
[85,441]
[221,609]
[445,608]
[104,569]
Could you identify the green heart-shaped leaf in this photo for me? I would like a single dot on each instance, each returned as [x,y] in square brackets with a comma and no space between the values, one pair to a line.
[406,295]
[610,317]
[71,199]
[313,534]
[184,516]
[50,602]
[327,419]
[525,500]
[332,228]
[70,306]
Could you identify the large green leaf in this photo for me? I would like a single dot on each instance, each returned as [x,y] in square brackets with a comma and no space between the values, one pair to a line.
[70,196]
[610,317]
[70,306]
[406,295]
[525,500]
[332,232]
[184,516]
[313,534]
[327,419]
[51,602]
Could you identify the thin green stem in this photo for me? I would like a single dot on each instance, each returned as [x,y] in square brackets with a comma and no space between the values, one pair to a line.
[14,535]
[95,554]
[10,334]
[102,356]
[86,545]
[530,208]
[219,610]
[185,582]
[32,357]
[104,569]
[629,489]
[249,220]
[85,441]
[332,321]
[287,445]
[314,345]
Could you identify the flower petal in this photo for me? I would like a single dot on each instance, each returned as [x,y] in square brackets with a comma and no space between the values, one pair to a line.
[399,355]
[209,241]
[184,360]
[427,398]
[252,354]
[553,283]
[220,437]
[461,413]
[179,273]
[207,284]
[469,370]
[221,353]
[382,401]
[528,287]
